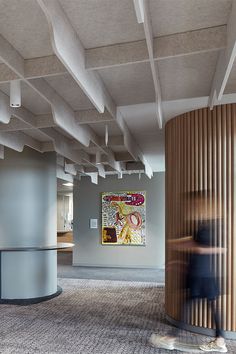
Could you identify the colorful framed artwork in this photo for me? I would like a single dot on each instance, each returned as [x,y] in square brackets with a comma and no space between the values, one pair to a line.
[124,218]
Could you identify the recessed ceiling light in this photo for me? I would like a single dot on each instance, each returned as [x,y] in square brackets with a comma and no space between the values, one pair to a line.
[68,184]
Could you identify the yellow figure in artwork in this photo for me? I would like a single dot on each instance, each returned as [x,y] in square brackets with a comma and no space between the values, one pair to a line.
[130,221]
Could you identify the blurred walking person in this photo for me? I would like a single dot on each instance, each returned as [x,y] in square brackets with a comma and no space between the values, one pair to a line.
[201,281]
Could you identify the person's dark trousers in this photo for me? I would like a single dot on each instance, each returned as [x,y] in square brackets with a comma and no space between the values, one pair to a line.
[186,307]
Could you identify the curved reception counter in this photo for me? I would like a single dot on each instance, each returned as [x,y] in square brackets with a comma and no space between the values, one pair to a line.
[200,151]
[29,274]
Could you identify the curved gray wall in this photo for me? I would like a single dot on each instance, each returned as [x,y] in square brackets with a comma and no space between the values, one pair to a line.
[28,219]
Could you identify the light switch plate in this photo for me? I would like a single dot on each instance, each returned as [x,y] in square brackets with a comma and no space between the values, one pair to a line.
[93,223]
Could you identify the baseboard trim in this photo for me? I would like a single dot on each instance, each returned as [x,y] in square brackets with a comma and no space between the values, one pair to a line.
[117,266]
[199,330]
[31,301]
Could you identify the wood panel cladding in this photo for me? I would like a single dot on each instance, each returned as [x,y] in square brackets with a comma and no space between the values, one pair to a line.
[201,155]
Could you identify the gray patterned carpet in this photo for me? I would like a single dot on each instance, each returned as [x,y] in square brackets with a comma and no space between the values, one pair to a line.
[90,317]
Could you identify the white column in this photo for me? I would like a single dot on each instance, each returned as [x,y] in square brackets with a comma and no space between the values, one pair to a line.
[28,219]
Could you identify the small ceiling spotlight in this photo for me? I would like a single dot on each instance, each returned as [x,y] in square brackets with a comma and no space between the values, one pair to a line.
[15,93]
[106,134]
[98,158]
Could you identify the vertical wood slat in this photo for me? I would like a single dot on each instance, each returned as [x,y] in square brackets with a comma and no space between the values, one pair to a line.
[233,178]
[224,211]
[200,155]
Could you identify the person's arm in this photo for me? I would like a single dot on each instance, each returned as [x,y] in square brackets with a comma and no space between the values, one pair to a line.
[192,246]
[210,250]
[180,240]
[187,244]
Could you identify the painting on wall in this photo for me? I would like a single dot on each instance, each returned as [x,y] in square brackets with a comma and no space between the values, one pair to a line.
[124,218]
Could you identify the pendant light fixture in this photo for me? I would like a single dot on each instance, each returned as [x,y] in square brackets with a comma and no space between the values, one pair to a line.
[15,93]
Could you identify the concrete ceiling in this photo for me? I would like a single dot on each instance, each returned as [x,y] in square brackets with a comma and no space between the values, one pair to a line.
[129,83]
[66,86]
[187,76]
[24,25]
[187,15]
[103,22]
[88,69]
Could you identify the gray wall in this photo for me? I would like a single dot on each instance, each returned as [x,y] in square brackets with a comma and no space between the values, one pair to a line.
[88,249]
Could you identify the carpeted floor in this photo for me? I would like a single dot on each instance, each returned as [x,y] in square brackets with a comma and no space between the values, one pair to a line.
[66,270]
[90,317]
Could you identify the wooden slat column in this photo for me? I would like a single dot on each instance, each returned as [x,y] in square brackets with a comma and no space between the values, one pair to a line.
[201,155]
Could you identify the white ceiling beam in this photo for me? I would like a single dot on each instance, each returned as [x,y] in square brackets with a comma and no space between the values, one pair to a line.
[43,67]
[191,42]
[116,55]
[14,125]
[63,115]
[60,144]
[94,177]
[123,156]
[46,121]
[70,168]
[1,152]
[60,160]
[115,140]
[131,146]
[180,44]
[11,57]
[5,110]
[6,74]
[134,166]
[90,116]
[119,156]
[34,68]
[154,69]
[18,140]
[101,170]
[64,176]
[139,9]
[28,118]
[70,51]
[63,147]
[24,115]
[225,61]
[144,9]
